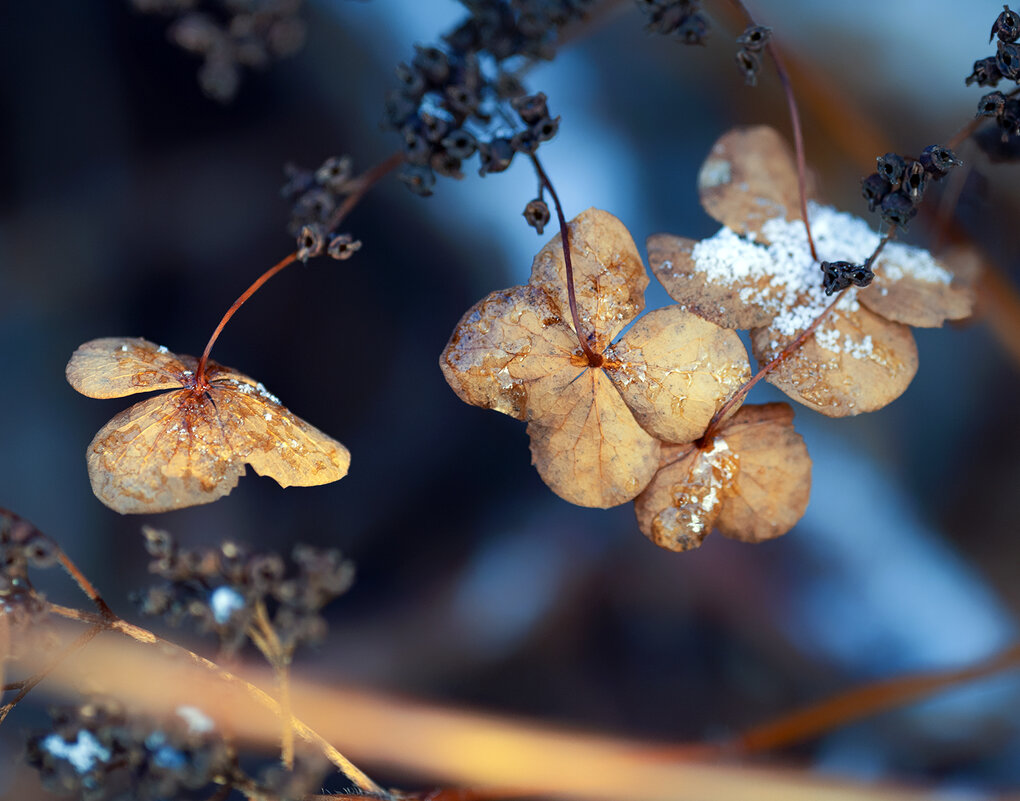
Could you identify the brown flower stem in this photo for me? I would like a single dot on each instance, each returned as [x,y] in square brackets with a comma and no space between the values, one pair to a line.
[737,397]
[268,642]
[798,135]
[594,359]
[971,127]
[362,184]
[29,684]
[261,697]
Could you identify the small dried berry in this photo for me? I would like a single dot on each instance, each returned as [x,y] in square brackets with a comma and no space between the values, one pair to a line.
[460,144]
[891,166]
[838,275]
[432,63]
[874,188]
[1006,26]
[749,64]
[914,182]
[986,72]
[1007,59]
[938,160]
[531,108]
[343,246]
[755,37]
[537,214]
[991,105]
[897,209]
[496,155]
[311,241]
[545,128]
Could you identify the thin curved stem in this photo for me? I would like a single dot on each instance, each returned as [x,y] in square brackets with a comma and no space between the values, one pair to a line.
[798,135]
[785,353]
[594,359]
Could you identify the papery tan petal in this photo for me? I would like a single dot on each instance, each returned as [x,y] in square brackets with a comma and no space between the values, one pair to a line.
[671,260]
[503,345]
[163,453]
[113,367]
[749,177]
[586,444]
[773,482]
[682,502]
[924,295]
[675,370]
[274,441]
[856,362]
[609,276]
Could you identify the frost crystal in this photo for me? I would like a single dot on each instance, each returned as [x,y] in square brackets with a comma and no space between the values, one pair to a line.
[224,601]
[83,754]
[198,722]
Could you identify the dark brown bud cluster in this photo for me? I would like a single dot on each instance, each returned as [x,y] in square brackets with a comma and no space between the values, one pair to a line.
[1006,61]
[838,275]
[222,589]
[95,748]
[22,546]
[231,36]
[459,99]
[896,189]
[681,19]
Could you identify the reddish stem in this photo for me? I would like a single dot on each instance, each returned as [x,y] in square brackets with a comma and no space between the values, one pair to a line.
[366,181]
[798,136]
[594,359]
[799,340]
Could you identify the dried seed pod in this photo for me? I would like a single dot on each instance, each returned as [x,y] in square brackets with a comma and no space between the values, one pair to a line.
[418,178]
[838,275]
[991,105]
[496,155]
[532,108]
[891,166]
[460,144]
[693,30]
[938,160]
[537,214]
[416,147]
[874,188]
[334,173]
[445,164]
[914,182]
[897,209]
[749,64]
[545,128]
[343,246]
[986,72]
[412,82]
[434,128]
[1007,59]
[755,37]
[525,142]
[1006,26]
[311,241]
[432,63]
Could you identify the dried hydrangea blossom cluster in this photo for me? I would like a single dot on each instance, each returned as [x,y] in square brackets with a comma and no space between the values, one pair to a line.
[638,420]
[897,188]
[1001,143]
[315,196]
[464,97]
[96,750]
[229,35]
[190,444]
[21,546]
[228,589]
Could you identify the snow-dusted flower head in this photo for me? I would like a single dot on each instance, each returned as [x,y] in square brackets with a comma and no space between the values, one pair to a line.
[757,273]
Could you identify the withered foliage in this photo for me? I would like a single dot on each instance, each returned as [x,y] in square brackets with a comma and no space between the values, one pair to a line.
[758,273]
[594,428]
[189,446]
[751,483]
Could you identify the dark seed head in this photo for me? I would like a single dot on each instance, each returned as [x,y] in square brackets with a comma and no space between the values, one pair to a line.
[496,155]
[891,167]
[986,72]
[749,64]
[343,246]
[1007,59]
[418,178]
[545,128]
[311,241]
[1006,26]
[537,214]
[914,182]
[755,37]
[532,108]
[991,105]
[938,160]
[460,144]
[874,188]
[334,173]
[897,209]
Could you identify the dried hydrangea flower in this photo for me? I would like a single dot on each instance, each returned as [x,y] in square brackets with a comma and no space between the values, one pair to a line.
[751,483]
[757,273]
[595,426]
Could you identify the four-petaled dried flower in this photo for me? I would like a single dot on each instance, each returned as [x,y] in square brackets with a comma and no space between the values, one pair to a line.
[595,426]
[190,445]
[758,273]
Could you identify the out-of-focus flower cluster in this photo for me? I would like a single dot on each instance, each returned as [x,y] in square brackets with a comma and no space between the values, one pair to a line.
[224,589]
[21,546]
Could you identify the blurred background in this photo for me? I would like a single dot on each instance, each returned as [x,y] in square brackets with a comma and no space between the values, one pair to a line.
[132,205]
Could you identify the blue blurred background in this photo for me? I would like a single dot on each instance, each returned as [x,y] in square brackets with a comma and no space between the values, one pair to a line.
[132,205]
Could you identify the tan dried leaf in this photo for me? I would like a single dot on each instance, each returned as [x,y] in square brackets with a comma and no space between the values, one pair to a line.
[587,446]
[855,362]
[609,277]
[749,177]
[189,446]
[751,483]
[924,299]
[675,371]
[516,351]
[672,263]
